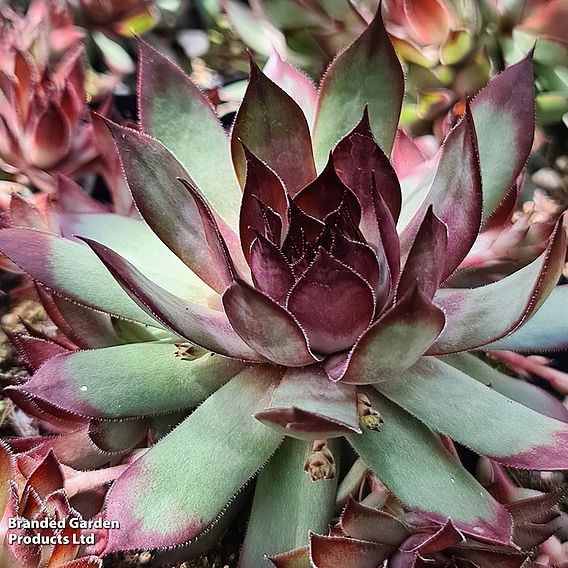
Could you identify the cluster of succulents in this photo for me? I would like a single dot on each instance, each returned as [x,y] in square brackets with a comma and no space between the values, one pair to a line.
[314,316]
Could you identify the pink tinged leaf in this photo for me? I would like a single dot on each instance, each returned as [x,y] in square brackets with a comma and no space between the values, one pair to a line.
[274,128]
[395,342]
[308,406]
[354,81]
[263,188]
[406,155]
[295,83]
[152,173]
[7,472]
[455,195]
[266,327]
[366,523]
[174,111]
[51,138]
[425,263]
[446,537]
[516,298]
[69,269]
[206,327]
[527,439]
[332,303]
[429,20]
[228,446]
[356,159]
[334,551]
[271,273]
[298,558]
[71,198]
[505,105]
[33,351]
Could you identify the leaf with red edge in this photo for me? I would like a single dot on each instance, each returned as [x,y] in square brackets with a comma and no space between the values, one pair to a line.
[25,214]
[34,351]
[354,81]
[274,128]
[515,298]
[308,406]
[334,551]
[295,83]
[203,326]
[395,342]
[332,303]
[429,20]
[7,473]
[152,173]
[174,110]
[266,327]
[298,558]
[506,106]
[70,269]
[425,262]
[527,439]
[455,195]
[263,188]
[406,155]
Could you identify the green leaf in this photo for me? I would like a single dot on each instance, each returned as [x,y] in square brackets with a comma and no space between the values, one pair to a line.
[175,111]
[366,74]
[287,504]
[181,486]
[412,462]
[138,244]
[460,407]
[149,379]
[547,330]
[518,390]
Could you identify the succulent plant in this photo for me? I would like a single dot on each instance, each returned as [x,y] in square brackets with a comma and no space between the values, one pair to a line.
[295,314]
[33,492]
[42,111]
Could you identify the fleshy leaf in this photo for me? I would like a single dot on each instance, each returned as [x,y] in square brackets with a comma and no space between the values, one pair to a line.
[518,390]
[506,106]
[294,83]
[515,298]
[79,382]
[152,173]
[227,448]
[174,110]
[332,303]
[308,406]
[284,490]
[274,128]
[70,269]
[412,462]
[547,330]
[201,325]
[527,439]
[266,327]
[355,80]
[455,195]
[396,341]
[333,551]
